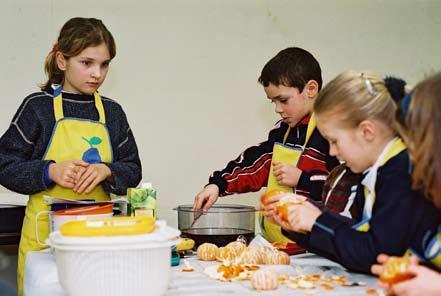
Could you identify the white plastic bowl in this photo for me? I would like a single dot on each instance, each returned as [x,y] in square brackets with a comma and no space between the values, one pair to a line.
[115,265]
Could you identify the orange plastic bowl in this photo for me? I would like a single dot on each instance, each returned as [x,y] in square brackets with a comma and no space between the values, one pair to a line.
[86,210]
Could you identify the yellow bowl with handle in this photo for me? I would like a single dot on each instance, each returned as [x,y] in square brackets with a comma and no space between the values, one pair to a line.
[109,226]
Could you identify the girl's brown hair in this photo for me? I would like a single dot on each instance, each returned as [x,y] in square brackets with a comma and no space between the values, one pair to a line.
[423,133]
[356,96]
[76,35]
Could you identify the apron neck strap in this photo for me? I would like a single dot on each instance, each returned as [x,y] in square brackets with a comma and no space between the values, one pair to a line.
[99,107]
[58,105]
[309,130]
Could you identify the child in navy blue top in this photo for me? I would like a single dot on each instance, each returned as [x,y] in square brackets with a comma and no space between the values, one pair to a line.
[423,107]
[355,113]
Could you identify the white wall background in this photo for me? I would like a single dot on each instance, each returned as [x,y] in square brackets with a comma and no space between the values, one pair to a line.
[186,71]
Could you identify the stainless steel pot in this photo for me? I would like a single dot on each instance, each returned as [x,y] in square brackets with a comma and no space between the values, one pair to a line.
[219,225]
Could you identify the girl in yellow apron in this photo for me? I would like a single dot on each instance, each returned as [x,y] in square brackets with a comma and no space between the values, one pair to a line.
[67,141]
[355,112]
[418,120]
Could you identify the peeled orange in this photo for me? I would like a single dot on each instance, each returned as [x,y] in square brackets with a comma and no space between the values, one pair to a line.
[270,193]
[284,204]
[395,270]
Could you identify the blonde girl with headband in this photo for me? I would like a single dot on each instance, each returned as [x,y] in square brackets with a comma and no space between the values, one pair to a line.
[67,140]
[355,113]
[419,122]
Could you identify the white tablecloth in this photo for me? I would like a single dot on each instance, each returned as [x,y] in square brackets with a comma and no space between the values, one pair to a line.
[41,278]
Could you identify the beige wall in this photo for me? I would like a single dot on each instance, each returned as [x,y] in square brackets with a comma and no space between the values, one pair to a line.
[186,71]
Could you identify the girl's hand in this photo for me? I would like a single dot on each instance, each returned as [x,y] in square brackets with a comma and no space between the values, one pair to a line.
[286,174]
[301,218]
[64,173]
[88,178]
[377,269]
[269,208]
[426,282]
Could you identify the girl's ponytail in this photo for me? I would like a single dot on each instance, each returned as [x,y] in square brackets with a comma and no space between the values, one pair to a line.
[54,74]
[396,87]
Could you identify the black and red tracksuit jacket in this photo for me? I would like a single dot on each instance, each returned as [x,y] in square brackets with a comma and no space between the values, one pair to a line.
[249,171]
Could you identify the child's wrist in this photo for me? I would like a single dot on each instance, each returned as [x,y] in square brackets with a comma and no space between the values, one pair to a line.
[48,173]
[107,173]
[313,216]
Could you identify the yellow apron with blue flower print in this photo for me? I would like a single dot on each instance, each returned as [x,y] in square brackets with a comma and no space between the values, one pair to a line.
[288,155]
[392,149]
[72,139]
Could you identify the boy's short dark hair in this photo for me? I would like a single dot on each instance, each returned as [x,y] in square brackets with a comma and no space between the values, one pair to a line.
[292,67]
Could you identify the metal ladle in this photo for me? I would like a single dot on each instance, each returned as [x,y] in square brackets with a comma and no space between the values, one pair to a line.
[197,215]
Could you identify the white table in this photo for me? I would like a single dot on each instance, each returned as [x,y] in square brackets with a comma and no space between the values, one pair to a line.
[41,278]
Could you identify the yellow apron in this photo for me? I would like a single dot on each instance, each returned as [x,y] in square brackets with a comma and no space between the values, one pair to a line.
[392,149]
[289,155]
[72,138]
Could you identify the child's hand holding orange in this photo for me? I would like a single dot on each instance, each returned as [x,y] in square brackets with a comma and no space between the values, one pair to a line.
[412,280]
[269,197]
[395,270]
[268,203]
[285,203]
[299,218]
[392,269]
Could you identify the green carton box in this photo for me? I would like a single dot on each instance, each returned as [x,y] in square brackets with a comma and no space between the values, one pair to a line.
[142,201]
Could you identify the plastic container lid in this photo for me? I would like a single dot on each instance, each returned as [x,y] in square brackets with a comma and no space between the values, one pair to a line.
[109,226]
[163,235]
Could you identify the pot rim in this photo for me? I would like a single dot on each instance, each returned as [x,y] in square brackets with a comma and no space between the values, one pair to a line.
[218,208]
